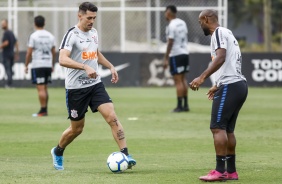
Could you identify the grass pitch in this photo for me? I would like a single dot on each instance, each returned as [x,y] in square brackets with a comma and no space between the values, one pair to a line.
[169,148]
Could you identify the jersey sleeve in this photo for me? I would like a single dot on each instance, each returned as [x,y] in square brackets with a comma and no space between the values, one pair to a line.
[220,39]
[68,40]
[53,41]
[171,32]
[30,42]
[5,36]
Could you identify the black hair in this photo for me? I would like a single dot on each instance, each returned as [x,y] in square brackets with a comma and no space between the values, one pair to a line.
[172,8]
[39,21]
[83,7]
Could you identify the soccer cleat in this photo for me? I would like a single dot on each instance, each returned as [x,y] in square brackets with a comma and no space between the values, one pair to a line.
[213,175]
[40,114]
[177,109]
[186,109]
[57,160]
[231,176]
[131,162]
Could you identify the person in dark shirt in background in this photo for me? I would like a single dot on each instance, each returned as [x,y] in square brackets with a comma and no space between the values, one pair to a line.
[9,41]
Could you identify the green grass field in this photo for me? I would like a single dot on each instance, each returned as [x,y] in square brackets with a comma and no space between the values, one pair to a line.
[169,148]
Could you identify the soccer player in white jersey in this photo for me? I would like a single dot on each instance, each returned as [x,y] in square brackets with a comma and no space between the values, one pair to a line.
[228,95]
[41,52]
[80,55]
[177,57]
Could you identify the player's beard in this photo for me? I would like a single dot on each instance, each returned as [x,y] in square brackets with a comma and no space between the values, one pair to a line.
[206,31]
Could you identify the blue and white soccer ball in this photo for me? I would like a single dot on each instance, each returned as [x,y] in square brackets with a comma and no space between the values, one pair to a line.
[117,162]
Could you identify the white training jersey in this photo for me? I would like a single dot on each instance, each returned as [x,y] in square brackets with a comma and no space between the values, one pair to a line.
[84,49]
[177,30]
[230,71]
[41,42]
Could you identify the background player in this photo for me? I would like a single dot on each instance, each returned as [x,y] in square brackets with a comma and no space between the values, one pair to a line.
[41,49]
[79,54]
[9,42]
[177,57]
[228,95]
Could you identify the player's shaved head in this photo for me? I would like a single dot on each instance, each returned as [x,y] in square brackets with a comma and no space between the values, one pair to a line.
[212,14]
[208,20]
[83,7]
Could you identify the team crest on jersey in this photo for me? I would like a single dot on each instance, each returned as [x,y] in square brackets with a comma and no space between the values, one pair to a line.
[95,39]
[74,113]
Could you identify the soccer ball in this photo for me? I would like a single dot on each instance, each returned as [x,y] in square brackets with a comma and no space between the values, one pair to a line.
[117,162]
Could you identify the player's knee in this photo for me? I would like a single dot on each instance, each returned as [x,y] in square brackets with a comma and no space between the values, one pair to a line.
[78,130]
[217,131]
[112,119]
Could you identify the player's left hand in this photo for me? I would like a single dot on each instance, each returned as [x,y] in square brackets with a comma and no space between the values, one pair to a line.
[16,57]
[195,84]
[114,75]
[211,92]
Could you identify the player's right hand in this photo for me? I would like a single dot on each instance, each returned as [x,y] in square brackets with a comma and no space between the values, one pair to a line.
[91,73]
[26,69]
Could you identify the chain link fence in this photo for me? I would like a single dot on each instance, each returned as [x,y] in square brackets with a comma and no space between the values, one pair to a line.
[123,25]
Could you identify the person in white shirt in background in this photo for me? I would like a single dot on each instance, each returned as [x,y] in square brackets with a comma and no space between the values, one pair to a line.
[41,53]
[176,56]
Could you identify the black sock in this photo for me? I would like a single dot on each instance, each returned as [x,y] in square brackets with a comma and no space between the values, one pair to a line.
[124,151]
[59,151]
[185,99]
[43,110]
[220,163]
[230,160]
[179,102]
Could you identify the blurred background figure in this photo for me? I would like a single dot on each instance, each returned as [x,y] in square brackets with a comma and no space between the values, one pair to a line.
[176,56]
[9,42]
[41,51]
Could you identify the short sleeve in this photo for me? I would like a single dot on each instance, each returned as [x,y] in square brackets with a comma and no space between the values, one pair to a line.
[68,40]
[53,41]
[221,39]
[5,36]
[171,32]
[30,42]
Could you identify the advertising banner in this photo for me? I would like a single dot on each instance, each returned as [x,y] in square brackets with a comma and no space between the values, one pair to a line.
[146,69]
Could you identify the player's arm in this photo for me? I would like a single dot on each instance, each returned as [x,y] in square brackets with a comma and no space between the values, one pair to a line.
[53,51]
[66,61]
[213,67]
[17,51]
[168,49]
[106,63]
[4,44]
[28,58]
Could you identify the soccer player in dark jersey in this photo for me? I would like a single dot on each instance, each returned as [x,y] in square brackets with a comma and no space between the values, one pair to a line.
[80,55]
[9,42]
[228,95]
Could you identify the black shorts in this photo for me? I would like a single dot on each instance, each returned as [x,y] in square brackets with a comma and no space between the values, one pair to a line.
[78,100]
[226,105]
[179,64]
[41,75]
